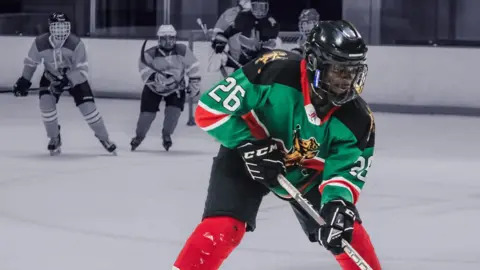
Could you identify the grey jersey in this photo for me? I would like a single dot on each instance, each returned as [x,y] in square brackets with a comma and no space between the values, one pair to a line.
[68,59]
[179,62]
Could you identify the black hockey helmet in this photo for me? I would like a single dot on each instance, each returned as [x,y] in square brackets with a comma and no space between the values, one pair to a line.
[59,26]
[335,53]
[260,8]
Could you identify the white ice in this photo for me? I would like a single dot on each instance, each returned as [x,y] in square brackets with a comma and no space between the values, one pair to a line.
[88,210]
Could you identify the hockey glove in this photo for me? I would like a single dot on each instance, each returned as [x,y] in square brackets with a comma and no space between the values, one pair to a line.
[264,161]
[219,43]
[339,216]
[59,85]
[20,89]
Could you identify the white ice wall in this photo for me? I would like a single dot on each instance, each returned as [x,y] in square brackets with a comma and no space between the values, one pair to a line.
[424,76]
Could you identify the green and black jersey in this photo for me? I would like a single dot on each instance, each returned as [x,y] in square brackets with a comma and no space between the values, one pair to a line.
[269,97]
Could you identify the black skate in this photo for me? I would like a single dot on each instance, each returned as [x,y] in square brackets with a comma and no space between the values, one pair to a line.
[167,142]
[109,146]
[136,142]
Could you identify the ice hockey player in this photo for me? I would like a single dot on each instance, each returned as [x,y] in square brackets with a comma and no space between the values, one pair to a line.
[306,21]
[223,23]
[175,61]
[300,117]
[66,69]
[257,33]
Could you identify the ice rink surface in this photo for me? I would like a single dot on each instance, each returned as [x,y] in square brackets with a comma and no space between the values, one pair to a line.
[88,210]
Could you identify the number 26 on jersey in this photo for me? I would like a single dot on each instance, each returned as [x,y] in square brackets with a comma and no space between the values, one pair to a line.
[234,92]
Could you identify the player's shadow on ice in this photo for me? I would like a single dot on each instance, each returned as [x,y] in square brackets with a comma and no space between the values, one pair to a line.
[174,152]
[65,156]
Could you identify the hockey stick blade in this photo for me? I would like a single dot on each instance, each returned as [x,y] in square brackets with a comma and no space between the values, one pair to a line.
[307,206]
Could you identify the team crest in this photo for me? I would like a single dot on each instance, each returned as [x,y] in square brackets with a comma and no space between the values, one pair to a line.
[269,57]
[303,153]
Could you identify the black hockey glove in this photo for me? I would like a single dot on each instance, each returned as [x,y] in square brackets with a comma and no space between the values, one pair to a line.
[20,89]
[58,86]
[219,43]
[339,216]
[264,161]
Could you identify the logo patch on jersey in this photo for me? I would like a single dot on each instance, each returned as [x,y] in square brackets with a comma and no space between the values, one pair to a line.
[269,57]
[304,152]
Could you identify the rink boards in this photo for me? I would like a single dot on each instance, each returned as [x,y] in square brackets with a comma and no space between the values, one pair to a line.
[409,75]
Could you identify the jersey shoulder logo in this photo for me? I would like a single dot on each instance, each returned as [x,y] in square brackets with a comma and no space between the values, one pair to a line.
[303,152]
[269,57]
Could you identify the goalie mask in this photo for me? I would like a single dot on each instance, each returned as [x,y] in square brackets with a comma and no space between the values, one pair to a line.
[260,8]
[307,20]
[167,37]
[59,27]
[335,54]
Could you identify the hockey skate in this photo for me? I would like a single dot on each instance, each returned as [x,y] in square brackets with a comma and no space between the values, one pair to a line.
[136,142]
[109,146]
[54,145]
[167,141]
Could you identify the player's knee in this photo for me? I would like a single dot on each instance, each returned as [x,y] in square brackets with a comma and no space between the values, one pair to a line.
[82,93]
[211,243]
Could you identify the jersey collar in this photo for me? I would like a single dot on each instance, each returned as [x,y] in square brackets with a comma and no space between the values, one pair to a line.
[307,103]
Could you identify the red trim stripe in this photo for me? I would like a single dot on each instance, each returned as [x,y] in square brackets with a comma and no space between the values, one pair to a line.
[348,185]
[255,128]
[204,118]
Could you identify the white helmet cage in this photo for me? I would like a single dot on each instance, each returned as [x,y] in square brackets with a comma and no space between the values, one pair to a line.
[260,8]
[307,20]
[60,30]
[167,36]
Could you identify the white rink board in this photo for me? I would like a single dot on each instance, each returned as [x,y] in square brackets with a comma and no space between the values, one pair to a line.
[429,76]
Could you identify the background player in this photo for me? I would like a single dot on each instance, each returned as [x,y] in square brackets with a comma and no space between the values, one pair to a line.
[223,23]
[300,117]
[175,61]
[257,32]
[66,68]
[306,21]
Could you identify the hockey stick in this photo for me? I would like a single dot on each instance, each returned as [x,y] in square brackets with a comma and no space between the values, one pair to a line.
[297,196]
[29,90]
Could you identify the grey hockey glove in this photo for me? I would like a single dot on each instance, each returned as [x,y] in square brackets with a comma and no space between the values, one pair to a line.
[20,89]
[339,216]
[219,43]
[264,161]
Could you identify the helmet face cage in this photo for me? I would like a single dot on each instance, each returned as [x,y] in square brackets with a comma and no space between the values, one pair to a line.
[307,21]
[60,30]
[167,37]
[260,8]
[305,26]
[338,82]
[167,42]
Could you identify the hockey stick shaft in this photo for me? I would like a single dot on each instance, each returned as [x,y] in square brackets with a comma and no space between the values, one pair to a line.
[29,90]
[307,206]
[205,32]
